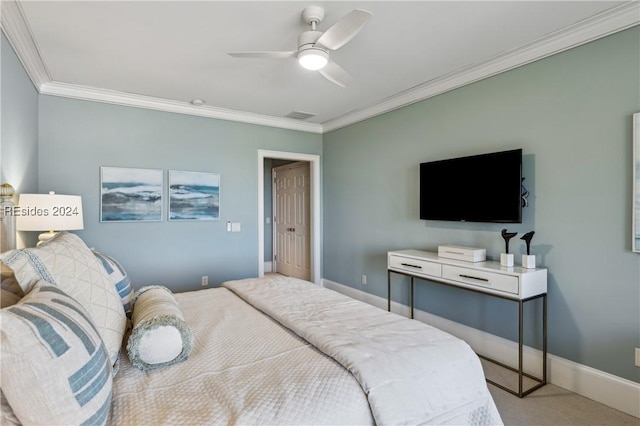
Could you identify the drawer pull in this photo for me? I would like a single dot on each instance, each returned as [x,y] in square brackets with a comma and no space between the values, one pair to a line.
[474,278]
[411,266]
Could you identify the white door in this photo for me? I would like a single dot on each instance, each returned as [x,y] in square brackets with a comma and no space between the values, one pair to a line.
[291,184]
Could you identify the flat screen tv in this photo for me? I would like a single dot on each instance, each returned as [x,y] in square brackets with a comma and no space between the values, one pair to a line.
[477,188]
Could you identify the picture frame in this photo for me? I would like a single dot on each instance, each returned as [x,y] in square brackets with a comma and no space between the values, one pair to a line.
[194,196]
[635,243]
[131,194]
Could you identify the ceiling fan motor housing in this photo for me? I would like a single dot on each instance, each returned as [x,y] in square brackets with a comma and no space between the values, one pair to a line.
[308,39]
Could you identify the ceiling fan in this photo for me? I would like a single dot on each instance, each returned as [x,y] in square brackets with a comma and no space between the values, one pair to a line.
[314,46]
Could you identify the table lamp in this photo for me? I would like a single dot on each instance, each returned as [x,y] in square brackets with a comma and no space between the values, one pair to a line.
[7,220]
[49,212]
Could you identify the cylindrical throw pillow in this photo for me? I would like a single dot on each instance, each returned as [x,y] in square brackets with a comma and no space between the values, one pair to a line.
[160,336]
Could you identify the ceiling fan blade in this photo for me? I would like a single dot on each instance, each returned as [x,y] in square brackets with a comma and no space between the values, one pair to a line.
[260,55]
[335,74]
[344,30]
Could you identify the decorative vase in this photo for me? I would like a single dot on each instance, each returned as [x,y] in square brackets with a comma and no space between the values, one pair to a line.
[529,261]
[506,259]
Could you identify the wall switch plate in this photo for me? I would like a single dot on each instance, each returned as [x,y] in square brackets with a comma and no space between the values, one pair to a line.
[364,279]
[235,227]
[205,280]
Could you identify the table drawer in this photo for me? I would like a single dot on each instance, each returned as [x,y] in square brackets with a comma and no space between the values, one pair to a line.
[415,266]
[474,277]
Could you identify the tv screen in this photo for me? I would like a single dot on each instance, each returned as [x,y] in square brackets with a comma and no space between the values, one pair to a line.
[478,188]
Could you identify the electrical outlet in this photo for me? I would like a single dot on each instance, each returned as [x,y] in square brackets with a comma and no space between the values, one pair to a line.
[364,279]
[205,280]
[637,357]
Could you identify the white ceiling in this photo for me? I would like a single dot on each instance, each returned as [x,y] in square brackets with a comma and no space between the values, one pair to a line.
[163,54]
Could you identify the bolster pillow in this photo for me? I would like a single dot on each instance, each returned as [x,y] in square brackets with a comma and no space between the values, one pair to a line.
[160,336]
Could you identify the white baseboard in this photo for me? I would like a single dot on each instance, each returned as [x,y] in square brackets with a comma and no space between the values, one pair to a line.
[616,392]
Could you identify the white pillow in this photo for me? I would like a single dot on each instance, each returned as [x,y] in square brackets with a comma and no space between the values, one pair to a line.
[119,279]
[53,364]
[10,291]
[160,336]
[67,262]
[7,416]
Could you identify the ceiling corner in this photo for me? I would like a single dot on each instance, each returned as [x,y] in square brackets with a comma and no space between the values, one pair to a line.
[17,31]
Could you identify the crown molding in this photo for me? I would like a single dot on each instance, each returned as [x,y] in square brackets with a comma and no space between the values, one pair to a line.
[617,19]
[75,91]
[614,20]
[19,35]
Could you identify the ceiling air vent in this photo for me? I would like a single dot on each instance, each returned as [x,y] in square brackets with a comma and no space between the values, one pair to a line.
[299,115]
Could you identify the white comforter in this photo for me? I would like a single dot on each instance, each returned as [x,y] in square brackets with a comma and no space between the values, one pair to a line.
[412,373]
[244,369]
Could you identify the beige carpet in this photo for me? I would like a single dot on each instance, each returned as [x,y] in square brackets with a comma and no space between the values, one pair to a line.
[552,405]
[549,405]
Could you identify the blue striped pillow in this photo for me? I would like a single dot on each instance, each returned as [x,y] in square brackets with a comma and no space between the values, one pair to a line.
[54,367]
[119,278]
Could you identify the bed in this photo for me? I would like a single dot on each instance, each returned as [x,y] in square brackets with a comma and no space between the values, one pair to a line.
[272,350]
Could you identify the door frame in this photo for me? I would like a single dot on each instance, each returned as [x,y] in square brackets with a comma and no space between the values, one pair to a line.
[314,206]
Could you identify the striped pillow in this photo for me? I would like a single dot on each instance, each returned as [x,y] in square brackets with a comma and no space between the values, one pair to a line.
[66,262]
[54,367]
[119,278]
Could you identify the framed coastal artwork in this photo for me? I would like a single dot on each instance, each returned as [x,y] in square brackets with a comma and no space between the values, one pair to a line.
[636,184]
[129,194]
[194,195]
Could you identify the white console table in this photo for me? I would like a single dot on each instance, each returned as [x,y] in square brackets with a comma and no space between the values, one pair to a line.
[512,283]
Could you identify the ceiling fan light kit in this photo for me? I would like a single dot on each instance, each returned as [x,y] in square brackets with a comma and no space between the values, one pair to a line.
[313,58]
[314,46]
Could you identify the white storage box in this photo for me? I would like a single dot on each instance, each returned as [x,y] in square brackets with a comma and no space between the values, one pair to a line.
[467,254]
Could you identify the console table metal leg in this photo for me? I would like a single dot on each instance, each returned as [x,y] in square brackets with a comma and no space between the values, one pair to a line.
[411,297]
[388,290]
[544,339]
[520,332]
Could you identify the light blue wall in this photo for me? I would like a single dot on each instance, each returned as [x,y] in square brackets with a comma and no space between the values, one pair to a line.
[78,137]
[19,154]
[268,209]
[19,127]
[572,115]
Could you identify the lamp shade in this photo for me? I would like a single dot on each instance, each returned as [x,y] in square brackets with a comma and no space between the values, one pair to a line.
[49,212]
